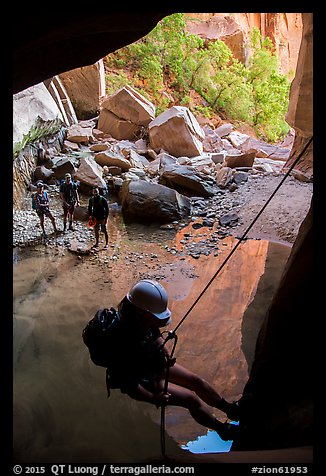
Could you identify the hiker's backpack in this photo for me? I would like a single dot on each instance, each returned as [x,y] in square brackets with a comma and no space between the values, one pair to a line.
[99,336]
[33,202]
[34,206]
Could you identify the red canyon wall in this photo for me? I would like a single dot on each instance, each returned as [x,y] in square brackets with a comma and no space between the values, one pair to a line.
[284,29]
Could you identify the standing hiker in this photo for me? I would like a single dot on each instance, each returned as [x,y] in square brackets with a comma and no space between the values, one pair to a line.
[98,209]
[40,203]
[70,198]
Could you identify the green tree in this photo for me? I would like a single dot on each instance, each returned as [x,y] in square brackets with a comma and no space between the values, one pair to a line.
[270,89]
[171,57]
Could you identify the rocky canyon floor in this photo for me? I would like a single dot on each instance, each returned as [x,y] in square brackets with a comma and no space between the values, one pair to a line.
[59,284]
[280,221]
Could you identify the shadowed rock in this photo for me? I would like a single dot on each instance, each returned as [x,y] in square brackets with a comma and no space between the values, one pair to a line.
[148,202]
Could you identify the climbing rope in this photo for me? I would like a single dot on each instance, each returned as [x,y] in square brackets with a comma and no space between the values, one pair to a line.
[172,334]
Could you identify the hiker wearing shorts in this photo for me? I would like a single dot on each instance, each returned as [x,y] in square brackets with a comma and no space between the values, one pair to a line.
[41,204]
[98,208]
[70,198]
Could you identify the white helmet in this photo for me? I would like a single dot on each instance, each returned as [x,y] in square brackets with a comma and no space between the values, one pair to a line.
[150,296]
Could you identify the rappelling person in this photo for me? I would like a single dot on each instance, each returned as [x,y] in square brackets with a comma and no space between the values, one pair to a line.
[137,359]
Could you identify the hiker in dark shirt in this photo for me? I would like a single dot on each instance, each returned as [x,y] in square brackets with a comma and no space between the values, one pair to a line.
[140,361]
[41,206]
[98,209]
[70,198]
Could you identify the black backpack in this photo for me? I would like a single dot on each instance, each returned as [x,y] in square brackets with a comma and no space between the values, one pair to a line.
[99,336]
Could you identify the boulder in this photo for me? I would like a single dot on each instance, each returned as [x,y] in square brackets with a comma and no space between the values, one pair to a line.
[224,176]
[137,160]
[145,202]
[28,106]
[125,146]
[62,167]
[79,134]
[237,138]
[139,172]
[185,179]
[265,150]
[212,141]
[228,147]
[100,135]
[90,173]
[177,131]
[153,167]
[218,157]
[42,173]
[113,170]
[130,105]
[141,146]
[99,147]
[166,159]
[239,176]
[245,159]
[115,126]
[68,145]
[224,130]
[113,156]
[201,160]
[229,219]
[268,165]
[83,86]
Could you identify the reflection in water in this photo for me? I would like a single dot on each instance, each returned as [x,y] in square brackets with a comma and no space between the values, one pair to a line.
[61,411]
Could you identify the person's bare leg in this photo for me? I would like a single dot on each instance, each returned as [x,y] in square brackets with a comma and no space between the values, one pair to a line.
[71,218]
[42,224]
[183,397]
[181,376]
[53,222]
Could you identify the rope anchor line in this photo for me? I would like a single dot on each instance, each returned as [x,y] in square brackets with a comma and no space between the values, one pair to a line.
[172,334]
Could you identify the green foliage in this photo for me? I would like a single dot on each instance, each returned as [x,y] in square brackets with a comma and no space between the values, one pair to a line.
[115,81]
[270,89]
[172,58]
[39,130]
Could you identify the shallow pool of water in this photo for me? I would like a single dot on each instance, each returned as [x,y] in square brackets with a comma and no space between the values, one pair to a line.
[61,410]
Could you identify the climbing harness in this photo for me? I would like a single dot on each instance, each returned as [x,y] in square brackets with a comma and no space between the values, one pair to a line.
[172,334]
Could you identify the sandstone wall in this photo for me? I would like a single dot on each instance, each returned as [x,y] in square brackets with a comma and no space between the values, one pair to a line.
[85,86]
[300,113]
[284,29]
[281,378]
[28,105]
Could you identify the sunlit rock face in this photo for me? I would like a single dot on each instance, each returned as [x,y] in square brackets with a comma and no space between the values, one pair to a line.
[281,377]
[85,88]
[300,113]
[28,105]
[284,29]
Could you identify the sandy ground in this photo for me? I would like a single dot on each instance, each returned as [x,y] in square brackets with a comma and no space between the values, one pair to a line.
[283,215]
